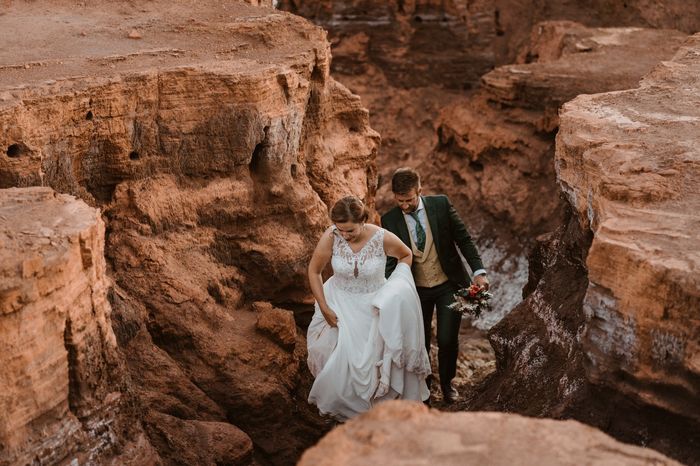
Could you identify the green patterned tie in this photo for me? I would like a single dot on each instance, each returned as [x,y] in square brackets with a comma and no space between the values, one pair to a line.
[420,232]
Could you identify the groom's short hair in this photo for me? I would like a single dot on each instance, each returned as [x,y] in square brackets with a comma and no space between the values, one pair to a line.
[404,180]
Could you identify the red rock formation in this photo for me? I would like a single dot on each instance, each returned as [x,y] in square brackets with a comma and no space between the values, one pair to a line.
[609,330]
[401,432]
[214,144]
[629,164]
[512,120]
[495,149]
[64,394]
[454,42]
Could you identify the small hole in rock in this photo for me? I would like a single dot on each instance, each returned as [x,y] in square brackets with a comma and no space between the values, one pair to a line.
[476,166]
[14,150]
[133,155]
[418,19]
[294,171]
[89,115]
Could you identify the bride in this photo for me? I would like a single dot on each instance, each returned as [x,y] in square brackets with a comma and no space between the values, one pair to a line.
[365,341]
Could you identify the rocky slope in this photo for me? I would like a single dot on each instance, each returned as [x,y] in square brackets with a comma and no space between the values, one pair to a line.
[64,388]
[213,138]
[400,432]
[609,328]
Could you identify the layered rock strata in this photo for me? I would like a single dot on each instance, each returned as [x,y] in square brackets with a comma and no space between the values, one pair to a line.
[495,149]
[629,164]
[454,42]
[214,140]
[400,432]
[609,328]
[64,392]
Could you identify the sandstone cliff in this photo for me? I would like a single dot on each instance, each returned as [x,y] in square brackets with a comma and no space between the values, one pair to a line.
[495,148]
[213,138]
[609,328]
[63,388]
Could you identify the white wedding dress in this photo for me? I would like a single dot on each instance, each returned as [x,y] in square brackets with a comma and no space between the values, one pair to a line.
[377,352]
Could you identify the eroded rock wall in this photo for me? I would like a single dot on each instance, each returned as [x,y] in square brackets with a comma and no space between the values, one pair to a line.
[452,43]
[609,327]
[487,142]
[214,142]
[629,164]
[64,388]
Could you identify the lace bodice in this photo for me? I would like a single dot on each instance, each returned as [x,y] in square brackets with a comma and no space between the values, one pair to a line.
[361,272]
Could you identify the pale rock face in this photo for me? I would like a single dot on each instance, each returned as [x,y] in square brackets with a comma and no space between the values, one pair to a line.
[215,144]
[629,163]
[608,330]
[61,379]
[402,432]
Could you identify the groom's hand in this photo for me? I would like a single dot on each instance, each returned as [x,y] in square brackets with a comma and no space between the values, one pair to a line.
[482,281]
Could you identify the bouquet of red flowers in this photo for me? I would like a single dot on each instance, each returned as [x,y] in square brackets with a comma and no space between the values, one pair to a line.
[472,300]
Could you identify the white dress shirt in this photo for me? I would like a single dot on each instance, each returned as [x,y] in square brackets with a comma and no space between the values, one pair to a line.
[423,218]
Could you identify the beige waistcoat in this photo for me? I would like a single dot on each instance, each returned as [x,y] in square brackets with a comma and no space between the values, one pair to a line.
[427,271]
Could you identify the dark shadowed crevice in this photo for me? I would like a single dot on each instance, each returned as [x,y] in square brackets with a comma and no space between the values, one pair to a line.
[255,161]
[257,165]
[16,150]
[72,355]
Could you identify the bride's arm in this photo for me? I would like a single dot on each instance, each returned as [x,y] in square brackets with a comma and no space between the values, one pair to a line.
[319,259]
[394,247]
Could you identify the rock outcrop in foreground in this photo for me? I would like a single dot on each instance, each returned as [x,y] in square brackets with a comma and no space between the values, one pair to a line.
[400,432]
[63,384]
[213,138]
[609,331]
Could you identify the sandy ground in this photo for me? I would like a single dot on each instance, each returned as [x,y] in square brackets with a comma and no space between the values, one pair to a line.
[50,40]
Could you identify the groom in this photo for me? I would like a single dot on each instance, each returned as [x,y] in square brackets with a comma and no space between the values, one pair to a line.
[431,227]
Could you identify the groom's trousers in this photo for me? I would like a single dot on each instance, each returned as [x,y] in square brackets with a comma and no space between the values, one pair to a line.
[439,298]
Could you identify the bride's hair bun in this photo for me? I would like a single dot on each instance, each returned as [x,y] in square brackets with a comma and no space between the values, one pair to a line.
[349,209]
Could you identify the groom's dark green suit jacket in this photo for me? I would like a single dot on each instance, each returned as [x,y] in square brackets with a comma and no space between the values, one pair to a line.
[449,233]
